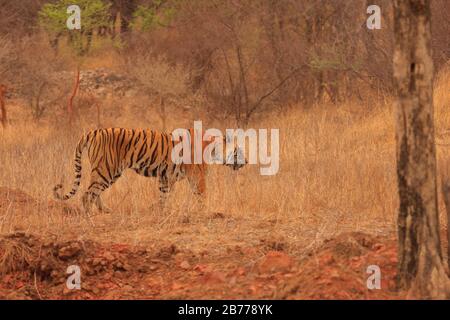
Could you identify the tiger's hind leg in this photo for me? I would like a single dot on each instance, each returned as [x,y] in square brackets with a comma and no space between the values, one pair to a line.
[98,184]
[100,206]
[99,203]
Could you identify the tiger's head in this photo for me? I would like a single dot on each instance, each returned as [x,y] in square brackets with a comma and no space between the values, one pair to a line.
[236,159]
[233,159]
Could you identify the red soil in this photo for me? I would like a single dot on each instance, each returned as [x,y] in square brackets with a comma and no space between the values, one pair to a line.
[34,267]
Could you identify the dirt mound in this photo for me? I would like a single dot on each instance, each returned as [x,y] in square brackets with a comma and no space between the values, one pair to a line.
[14,196]
[27,253]
[14,199]
[338,270]
[33,267]
[36,268]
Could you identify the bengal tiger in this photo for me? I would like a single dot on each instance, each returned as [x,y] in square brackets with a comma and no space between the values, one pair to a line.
[111,151]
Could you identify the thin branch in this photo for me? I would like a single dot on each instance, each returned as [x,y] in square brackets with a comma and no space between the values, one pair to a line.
[272,91]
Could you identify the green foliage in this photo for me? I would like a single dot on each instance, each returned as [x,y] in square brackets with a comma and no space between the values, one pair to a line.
[323,64]
[144,17]
[334,59]
[94,14]
[147,18]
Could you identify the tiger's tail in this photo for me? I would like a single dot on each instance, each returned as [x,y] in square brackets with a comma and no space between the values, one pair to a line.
[76,183]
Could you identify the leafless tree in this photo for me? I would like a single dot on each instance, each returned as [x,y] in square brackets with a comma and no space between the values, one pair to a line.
[6,56]
[4,118]
[6,64]
[35,73]
[159,79]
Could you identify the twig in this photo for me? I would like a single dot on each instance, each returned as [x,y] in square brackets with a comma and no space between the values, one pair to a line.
[35,281]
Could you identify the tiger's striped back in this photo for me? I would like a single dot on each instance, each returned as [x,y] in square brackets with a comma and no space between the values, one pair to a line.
[147,152]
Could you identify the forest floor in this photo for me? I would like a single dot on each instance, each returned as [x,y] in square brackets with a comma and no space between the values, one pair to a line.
[34,267]
[308,232]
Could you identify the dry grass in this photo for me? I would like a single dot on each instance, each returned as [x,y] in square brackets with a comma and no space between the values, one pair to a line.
[15,255]
[337,174]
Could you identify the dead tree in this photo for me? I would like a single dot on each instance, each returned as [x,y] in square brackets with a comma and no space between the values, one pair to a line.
[420,264]
[91,100]
[3,90]
[72,96]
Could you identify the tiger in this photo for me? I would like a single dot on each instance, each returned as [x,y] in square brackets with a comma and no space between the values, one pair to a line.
[111,151]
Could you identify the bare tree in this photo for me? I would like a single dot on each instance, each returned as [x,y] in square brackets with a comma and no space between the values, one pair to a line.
[6,56]
[72,96]
[420,267]
[159,79]
[4,118]
[18,18]
[35,75]
[5,64]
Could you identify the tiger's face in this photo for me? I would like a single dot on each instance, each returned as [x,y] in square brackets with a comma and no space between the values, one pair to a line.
[236,159]
[233,159]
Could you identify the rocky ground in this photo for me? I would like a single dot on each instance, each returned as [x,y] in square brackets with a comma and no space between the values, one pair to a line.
[35,266]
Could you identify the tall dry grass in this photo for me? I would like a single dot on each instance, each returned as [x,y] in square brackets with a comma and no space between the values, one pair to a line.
[337,174]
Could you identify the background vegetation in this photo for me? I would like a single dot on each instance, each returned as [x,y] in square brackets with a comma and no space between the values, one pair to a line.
[310,68]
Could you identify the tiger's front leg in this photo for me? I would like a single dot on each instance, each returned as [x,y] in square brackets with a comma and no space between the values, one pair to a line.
[164,189]
[196,178]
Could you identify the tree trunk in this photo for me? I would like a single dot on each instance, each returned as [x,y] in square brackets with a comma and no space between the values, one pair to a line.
[99,123]
[38,110]
[445,185]
[420,263]
[3,105]
[75,89]
[162,105]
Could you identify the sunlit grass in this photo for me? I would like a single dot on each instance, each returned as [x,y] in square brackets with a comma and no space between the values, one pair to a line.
[337,174]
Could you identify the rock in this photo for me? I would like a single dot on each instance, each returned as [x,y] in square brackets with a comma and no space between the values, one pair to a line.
[185,265]
[167,252]
[121,266]
[378,246]
[240,271]
[213,277]
[108,256]
[202,268]
[69,251]
[96,262]
[275,261]
[126,267]
[127,287]
[17,295]
[177,286]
